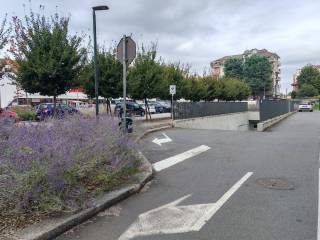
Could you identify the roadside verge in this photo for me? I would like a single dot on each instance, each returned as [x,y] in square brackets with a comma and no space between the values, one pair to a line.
[52,228]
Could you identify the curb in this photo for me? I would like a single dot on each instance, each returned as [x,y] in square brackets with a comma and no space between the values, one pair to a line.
[50,229]
[154,119]
[271,122]
[151,131]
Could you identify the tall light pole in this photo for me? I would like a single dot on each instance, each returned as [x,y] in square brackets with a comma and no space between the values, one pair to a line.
[96,77]
[1,85]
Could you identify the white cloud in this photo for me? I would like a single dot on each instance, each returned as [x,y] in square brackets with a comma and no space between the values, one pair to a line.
[198,32]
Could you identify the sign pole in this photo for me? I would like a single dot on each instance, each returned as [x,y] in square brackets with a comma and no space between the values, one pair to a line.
[172,109]
[124,83]
[126,53]
[172,91]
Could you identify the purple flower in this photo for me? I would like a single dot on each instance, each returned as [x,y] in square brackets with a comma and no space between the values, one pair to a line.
[50,164]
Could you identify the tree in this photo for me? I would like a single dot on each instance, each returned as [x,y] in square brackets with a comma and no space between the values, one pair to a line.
[173,74]
[4,33]
[214,88]
[197,89]
[145,76]
[244,90]
[309,75]
[293,94]
[194,88]
[258,73]
[49,59]
[4,37]
[233,68]
[307,90]
[235,89]
[208,88]
[110,77]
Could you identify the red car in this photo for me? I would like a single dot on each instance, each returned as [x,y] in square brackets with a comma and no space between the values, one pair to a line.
[8,114]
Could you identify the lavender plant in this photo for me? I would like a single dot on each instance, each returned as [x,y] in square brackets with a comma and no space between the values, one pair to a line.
[60,165]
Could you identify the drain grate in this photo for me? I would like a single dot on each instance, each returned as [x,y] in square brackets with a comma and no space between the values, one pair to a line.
[275,183]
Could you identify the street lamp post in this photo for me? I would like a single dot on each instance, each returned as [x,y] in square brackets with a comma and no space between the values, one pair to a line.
[96,70]
[1,85]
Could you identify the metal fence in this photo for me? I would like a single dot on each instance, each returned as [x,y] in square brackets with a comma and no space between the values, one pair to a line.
[273,108]
[184,110]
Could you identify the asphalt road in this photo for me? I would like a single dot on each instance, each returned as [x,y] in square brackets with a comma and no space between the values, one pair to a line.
[213,191]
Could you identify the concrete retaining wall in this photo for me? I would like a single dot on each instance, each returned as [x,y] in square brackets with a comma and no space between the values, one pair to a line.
[270,122]
[232,121]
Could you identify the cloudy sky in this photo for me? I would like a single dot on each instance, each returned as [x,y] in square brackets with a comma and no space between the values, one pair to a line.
[199,31]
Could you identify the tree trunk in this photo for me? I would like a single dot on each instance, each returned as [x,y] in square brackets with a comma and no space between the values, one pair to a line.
[105,104]
[147,111]
[54,102]
[54,105]
[109,106]
[145,108]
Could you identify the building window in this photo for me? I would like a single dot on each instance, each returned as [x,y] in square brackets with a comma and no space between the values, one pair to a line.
[7,68]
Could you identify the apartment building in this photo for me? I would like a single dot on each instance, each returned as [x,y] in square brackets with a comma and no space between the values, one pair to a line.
[218,66]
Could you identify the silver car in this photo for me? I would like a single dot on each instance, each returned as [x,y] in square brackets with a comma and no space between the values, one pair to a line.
[305,107]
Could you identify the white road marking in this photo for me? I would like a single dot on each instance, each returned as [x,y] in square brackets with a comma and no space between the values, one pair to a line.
[160,141]
[171,219]
[209,214]
[166,163]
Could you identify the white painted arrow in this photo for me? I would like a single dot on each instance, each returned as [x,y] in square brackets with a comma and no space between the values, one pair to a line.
[171,219]
[160,141]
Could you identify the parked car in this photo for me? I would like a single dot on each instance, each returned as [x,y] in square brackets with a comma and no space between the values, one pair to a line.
[78,105]
[114,102]
[152,107]
[131,107]
[166,106]
[8,115]
[45,110]
[158,107]
[305,107]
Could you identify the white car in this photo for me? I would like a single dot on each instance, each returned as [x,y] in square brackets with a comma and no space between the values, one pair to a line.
[152,108]
[305,107]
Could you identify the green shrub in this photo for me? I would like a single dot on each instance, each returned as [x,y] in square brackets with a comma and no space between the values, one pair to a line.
[27,116]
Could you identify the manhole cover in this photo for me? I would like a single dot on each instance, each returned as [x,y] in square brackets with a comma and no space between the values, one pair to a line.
[275,183]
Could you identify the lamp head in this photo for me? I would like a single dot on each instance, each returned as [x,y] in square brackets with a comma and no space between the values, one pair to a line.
[100,8]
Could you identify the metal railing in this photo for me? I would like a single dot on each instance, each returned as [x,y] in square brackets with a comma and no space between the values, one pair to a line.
[273,108]
[185,110]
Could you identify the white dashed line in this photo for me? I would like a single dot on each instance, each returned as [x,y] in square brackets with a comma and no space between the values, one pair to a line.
[166,163]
